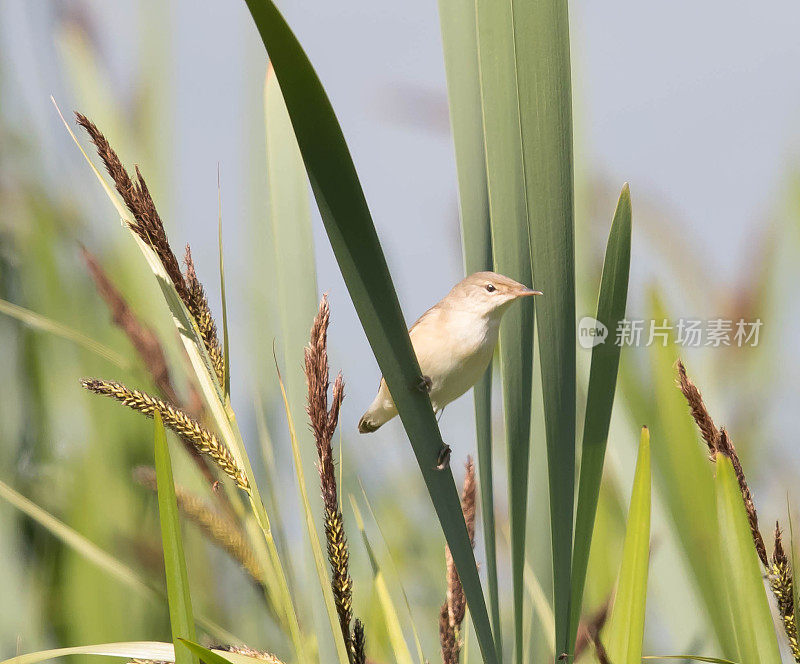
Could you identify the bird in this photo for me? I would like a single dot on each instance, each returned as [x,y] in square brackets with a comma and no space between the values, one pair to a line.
[454,341]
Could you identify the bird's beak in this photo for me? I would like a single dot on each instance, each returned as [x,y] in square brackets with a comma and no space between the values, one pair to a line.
[523,292]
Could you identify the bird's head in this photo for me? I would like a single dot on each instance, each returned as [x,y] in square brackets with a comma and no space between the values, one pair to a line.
[488,293]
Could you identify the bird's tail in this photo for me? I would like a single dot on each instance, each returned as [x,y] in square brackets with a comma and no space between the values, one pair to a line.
[379,413]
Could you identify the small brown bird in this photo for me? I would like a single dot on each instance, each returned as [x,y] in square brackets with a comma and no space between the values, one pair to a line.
[454,341]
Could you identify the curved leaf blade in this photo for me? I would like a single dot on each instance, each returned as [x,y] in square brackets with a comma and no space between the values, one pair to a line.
[358,252]
[600,397]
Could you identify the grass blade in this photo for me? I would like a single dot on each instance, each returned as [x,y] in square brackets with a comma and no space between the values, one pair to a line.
[753,626]
[626,624]
[508,213]
[313,537]
[600,397]
[459,39]
[361,260]
[180,603]
[45,324]
[295,268]
[133,650]
[225,344]
[399,646]
[543,76]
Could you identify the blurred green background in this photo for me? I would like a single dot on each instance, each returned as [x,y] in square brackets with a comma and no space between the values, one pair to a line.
[699,115]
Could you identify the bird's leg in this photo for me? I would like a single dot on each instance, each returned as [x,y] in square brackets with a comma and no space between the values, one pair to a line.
[424,384]
[439,415]
[443,460]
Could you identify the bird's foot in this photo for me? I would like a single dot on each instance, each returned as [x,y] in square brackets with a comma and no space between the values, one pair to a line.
[424,384]
[443,460]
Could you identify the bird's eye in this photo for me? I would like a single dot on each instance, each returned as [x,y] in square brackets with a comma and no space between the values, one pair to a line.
[490,288]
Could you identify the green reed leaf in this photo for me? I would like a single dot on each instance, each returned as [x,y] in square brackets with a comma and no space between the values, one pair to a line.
[180,602]
[623,639]
[459,39]
[508,213]
[755,632]
[600,397]
[225,342]
[541,33]
[361,260]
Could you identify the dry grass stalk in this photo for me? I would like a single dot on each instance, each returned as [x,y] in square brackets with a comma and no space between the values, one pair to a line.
[782,584]
[177,420]
[148,226]
[779,569]
[718,442]
[197,304]
[454,608]
[324,420]
[220,530]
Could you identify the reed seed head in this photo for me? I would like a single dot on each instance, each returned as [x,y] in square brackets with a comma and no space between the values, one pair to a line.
[147,223]
[174,418]
[324,420]
[197,303]
[454,608]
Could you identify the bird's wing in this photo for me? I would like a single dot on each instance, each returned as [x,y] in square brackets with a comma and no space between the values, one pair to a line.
[429,313]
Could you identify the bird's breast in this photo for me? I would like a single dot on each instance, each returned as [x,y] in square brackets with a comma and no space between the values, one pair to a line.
[453,352]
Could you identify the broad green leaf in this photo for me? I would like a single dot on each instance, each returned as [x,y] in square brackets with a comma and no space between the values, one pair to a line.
[102,559]
[358,252]
[459,39]
[395,631]
[623,638]
[541,31]
[180,602]
[755,632]
[508,213]
[218,410]
[313,537]
[600,397]
[43,323]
